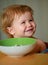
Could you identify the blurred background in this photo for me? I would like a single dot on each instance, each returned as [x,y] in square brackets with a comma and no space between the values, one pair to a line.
[40,8]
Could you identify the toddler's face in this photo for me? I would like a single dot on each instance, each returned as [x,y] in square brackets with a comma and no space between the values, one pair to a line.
[24,26]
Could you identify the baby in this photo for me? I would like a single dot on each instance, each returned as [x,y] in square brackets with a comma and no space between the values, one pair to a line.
[18,21]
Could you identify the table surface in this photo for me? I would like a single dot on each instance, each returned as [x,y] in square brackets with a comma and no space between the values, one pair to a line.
[30,59]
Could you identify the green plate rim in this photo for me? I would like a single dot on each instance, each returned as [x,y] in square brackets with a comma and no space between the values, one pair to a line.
[17,41]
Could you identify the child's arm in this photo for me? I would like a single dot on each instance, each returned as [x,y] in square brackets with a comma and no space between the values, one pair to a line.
[39,47]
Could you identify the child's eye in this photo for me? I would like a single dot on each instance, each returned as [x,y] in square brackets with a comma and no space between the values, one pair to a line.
[30,20]
[23,22]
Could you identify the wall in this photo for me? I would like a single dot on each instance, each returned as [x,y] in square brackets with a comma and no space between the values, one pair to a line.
[40,8]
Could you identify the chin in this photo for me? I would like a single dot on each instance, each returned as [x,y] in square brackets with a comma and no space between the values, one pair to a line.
[29,35]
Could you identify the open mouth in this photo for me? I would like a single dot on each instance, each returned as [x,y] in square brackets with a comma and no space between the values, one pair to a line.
[29,30]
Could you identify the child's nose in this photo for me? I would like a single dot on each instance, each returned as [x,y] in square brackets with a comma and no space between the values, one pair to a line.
[28,24]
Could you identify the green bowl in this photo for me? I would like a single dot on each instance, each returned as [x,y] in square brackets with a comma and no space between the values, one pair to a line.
[17,41]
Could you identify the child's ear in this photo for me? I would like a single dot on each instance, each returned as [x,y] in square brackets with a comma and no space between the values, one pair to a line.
[10,30]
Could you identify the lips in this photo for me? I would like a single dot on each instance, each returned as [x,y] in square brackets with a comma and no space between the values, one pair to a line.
[29,30]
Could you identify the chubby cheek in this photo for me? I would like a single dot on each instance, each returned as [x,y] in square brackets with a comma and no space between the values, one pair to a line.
[21,28]
[34,25]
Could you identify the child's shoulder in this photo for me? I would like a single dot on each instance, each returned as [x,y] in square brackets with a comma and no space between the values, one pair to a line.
[39,40]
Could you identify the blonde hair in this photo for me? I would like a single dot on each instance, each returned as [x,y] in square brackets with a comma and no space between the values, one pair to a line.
[9,13]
